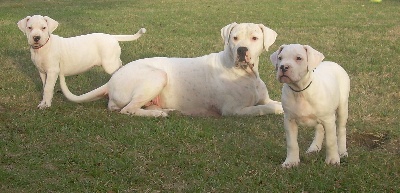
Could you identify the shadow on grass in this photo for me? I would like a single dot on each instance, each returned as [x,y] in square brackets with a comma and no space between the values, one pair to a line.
[22,60]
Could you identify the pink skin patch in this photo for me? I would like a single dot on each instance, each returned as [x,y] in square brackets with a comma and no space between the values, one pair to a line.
[156,101]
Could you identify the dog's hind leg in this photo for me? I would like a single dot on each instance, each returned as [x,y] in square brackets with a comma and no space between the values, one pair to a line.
[112,64]
[342,115]
[110,57]
[318,139]
[146,91]
[112,106]
[331,140]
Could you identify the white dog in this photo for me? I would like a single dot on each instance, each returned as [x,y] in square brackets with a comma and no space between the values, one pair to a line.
[224,83]
[54,55]
[313,94]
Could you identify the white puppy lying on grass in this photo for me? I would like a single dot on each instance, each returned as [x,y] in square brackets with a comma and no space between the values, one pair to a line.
[314,93]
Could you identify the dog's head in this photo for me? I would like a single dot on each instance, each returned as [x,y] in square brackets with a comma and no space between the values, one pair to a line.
[37,29]
[292,62]
[246,41]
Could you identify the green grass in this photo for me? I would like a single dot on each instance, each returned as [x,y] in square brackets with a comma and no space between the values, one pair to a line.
[85,148]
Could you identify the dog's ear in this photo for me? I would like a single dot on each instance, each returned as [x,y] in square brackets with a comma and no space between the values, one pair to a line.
[51,23]
[226,31]
[274,56]
[22,24]
[269,36]
[314,58]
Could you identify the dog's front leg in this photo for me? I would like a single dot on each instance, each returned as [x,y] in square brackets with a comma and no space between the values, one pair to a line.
[49,83]
[291,131]
[332,153]
[272,107]
[42,78]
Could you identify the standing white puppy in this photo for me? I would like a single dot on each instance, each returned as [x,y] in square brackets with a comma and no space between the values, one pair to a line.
[54,55]
[314,93]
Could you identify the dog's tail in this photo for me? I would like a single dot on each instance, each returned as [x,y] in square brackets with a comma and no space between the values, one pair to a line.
[93,95]
[130,37]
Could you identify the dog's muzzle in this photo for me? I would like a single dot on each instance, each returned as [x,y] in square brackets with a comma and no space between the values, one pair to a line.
[37,44]
[243,58]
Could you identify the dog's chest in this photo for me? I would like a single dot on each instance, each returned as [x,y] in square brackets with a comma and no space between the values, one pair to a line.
[302,111]
[39,61]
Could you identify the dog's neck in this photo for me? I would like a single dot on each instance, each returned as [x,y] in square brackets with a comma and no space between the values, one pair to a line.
[302,84]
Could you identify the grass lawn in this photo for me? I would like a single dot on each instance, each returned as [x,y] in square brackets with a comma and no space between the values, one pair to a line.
[86,148]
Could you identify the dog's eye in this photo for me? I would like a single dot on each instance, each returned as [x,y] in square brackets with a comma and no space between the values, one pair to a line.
[29,27]
[299,58]
[235,38]
[43,28]
[255,38]
[279,58]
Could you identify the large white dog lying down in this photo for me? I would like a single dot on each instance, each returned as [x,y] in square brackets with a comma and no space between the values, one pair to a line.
[314,93]
[224,83]
[54,55]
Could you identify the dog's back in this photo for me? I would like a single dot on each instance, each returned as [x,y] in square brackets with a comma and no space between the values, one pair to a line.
[336,74]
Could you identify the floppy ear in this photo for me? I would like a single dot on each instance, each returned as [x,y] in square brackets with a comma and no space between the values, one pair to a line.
[274,56]
[22,23]
[51,24]
[314,58]
[269,36]
[225,32]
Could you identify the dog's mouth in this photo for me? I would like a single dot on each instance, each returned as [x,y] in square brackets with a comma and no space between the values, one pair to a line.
[285,79]
[36,46]
[38,42]
[244,65]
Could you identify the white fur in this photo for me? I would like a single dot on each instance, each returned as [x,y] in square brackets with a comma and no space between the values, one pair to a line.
[215,84]
[54,55]
[314,106]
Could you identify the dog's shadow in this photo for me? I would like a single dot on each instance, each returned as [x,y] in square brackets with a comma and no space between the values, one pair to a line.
[21,59]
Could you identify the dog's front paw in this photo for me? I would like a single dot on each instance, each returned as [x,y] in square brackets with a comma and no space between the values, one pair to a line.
[313,148]
[43,104]
[279,109]
[333,160]
[343,154]
[290,163]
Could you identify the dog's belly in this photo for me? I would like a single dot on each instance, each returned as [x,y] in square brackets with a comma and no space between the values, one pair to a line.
[189,86]
[309,120]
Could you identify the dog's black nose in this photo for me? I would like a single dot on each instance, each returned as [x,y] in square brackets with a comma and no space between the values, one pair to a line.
[242,52]
[36,38]
[284,68]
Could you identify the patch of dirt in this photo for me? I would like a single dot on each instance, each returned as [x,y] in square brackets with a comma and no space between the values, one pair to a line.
[374,141]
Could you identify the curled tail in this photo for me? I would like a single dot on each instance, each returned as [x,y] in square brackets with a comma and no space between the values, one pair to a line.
[130,37]
[90,96]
